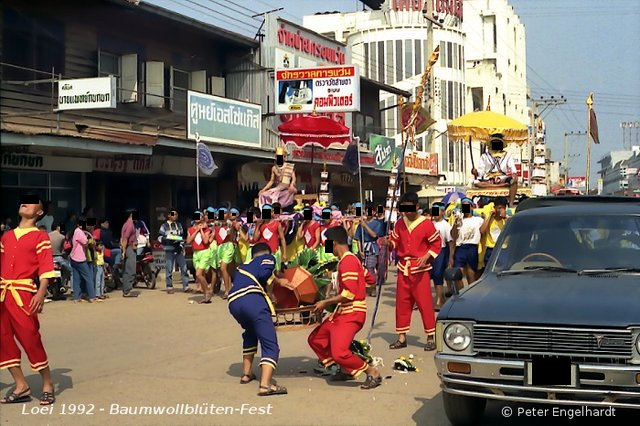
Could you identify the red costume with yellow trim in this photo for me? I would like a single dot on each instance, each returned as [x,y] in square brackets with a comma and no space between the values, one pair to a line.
[25,253]
[332,339]
[412,241]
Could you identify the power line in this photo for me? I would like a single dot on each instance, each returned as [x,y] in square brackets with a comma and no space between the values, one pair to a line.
[219,13]
[299,21]
[233,10]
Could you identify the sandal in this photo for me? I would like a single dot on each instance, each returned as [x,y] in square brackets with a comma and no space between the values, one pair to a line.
[398,345]
[16,398]
[430,346]
[371,382]
[48,398]
[273,390]
[251,377]
[225,296]
[204,301]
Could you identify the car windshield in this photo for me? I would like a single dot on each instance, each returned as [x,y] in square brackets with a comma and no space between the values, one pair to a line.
[572,243]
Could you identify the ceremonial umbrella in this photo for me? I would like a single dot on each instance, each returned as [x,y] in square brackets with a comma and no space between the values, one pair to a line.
[314,130]
[481,125]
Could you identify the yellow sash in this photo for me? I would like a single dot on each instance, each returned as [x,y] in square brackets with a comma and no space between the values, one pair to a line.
[13,286]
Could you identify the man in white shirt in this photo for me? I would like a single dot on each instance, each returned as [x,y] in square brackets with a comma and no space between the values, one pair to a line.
[466,233]
[445,258]
[497,168]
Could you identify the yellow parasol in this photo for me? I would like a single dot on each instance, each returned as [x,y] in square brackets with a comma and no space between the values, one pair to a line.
[481,125]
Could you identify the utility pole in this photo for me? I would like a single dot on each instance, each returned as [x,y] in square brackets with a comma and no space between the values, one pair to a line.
[566,152]
[538,182]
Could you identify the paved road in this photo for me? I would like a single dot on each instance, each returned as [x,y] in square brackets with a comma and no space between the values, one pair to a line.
[160,350]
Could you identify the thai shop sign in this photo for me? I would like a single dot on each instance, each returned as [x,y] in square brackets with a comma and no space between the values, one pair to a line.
[87,93]
[322,89]
[222,120]
[385,152]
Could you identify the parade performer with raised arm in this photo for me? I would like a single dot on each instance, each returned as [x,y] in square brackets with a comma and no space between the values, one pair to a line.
[250,305]
[282,185]
[25,254]
[418,243]
[331,340]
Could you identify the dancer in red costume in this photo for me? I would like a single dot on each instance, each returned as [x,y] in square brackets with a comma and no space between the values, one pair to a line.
[418,244]
[25,254]
[332,339]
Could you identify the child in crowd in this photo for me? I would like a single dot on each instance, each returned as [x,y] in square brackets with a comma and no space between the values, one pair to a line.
[99,252]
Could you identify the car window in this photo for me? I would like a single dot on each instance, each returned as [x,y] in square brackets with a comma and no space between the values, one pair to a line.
[576,242]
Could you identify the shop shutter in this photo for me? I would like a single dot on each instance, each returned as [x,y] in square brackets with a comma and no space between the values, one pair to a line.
[154,82]
[218,86]
[129,78]
[198,81]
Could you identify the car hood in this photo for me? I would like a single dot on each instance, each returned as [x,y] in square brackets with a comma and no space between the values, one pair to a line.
[550,298]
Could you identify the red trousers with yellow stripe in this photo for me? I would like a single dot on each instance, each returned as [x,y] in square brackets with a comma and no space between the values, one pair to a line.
[331,341]
[413,289]
[15,323]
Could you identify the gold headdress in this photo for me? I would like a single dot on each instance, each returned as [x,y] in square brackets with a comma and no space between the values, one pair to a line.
[280,150]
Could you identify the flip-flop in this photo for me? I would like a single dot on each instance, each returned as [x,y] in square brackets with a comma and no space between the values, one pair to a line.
[204,301]
[16,398]
[251,377]
[430,346]
[48,398]
[273,390]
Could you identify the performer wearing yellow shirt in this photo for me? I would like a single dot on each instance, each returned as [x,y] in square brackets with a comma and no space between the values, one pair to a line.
[492,227]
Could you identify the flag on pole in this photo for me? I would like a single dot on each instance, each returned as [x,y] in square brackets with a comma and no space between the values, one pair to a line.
[350,159]
[205,160]
[593,123]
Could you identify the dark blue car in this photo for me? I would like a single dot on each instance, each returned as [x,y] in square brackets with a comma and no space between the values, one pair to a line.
[555,318]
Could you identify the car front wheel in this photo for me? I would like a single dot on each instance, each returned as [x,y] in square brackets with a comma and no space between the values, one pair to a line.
[463,410]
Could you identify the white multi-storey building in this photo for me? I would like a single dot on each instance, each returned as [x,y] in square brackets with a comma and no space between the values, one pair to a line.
[482,55]
[391,45]
[496,63]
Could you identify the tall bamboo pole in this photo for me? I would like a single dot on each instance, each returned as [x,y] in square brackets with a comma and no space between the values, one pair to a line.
[589,106]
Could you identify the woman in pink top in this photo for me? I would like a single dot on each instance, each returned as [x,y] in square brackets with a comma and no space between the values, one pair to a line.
[82,273]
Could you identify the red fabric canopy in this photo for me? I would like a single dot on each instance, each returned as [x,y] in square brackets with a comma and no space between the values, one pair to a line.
[314,130]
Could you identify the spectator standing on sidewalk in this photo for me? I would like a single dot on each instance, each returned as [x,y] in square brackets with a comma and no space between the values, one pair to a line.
[172,239]
[99,281]
[57,247]
[128,242]
[82,279]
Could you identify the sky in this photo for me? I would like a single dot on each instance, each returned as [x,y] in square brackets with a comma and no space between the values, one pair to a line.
[573,47]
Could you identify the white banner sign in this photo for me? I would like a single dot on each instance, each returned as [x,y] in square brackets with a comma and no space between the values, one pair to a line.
[87,93]
[323,89]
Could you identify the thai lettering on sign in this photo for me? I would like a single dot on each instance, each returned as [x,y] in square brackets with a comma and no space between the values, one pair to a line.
[299,42]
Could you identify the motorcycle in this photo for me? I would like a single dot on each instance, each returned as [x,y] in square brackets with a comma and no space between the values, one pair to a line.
[146,271]
[60,284]
[112,276]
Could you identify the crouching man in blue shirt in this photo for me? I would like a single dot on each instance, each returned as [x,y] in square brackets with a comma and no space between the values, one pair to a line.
[251,306]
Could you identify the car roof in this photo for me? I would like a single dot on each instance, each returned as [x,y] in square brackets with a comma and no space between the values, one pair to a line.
[582,204]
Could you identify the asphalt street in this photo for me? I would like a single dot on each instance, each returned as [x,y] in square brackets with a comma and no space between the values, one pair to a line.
[160,350]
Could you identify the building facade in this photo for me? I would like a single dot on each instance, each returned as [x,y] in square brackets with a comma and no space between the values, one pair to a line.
[496,68]
[619,171]
[132,150]
[392,44]
[286,45]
